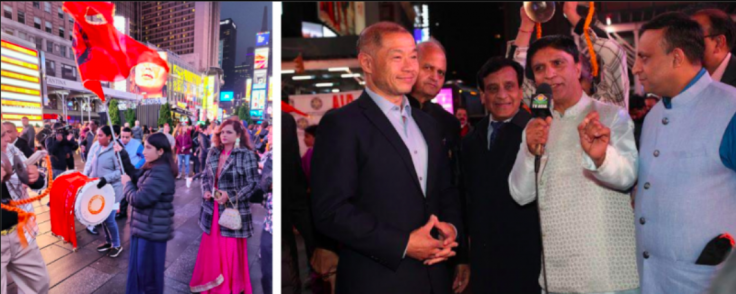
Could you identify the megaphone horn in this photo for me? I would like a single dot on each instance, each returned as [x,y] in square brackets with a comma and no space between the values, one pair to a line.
[540,12]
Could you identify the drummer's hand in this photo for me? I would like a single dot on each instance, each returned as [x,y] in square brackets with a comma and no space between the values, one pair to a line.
[207,195]
[102,183]
[117,147]
[223,197]
[32,173]
[124,179]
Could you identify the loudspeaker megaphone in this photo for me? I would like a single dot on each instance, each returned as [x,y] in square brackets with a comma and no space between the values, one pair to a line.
[540,12]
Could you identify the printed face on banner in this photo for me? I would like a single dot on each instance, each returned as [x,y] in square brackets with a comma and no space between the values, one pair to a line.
[259,79]
[261,59]
[149,79]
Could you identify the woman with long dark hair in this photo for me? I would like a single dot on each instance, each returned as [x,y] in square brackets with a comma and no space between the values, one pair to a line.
[230,178]
[102,163]
[151,223]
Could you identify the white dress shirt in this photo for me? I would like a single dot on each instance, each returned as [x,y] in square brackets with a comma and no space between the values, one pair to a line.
[718,74]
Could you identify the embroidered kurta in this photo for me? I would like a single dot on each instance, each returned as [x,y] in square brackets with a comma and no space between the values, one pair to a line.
[587,219]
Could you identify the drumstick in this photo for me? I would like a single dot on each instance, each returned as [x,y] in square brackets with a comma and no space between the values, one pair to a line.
[36,157]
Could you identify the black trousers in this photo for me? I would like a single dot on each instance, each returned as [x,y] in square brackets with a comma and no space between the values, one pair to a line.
[266,261]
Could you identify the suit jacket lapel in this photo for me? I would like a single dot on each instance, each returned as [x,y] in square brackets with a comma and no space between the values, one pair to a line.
[374,114]
[729,75]
[433,148]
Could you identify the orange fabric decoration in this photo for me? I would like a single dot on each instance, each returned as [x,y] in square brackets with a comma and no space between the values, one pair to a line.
[539,30]
[586,27]
[25,217]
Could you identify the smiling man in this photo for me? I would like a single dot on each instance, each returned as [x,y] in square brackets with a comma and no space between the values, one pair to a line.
[505,252]
[381,181]
[589,163]
[430,78]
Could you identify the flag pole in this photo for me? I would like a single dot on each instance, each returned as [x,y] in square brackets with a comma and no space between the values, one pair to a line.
[114,139]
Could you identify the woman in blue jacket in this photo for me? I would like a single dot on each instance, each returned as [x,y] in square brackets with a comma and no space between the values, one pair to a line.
[151,222]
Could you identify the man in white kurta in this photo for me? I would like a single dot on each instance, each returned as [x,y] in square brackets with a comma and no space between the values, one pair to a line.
[589,163]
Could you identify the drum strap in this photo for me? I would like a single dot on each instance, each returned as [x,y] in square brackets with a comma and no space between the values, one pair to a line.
[27,220]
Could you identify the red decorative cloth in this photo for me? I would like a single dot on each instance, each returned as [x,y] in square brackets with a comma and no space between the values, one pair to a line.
[103,53]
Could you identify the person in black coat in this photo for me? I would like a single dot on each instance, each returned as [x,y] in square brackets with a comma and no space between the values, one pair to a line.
[431,78]
[387,212]
[152,222]
[720,37]
[60,145]
[506,245]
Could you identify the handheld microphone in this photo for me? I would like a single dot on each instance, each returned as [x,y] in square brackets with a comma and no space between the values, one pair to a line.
[541,109]
[541,105]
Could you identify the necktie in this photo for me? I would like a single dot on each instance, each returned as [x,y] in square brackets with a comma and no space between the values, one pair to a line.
[496,125]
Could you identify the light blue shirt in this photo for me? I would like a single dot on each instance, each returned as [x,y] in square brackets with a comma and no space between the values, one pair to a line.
[408,130]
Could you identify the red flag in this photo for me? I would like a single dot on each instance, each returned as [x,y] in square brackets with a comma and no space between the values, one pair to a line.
[286,107]
[103,53]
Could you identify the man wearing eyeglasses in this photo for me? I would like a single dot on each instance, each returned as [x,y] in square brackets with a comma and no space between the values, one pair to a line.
[719,33]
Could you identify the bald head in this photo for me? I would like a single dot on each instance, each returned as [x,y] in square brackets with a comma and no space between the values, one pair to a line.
[371,37]
[431,45]
[432,70]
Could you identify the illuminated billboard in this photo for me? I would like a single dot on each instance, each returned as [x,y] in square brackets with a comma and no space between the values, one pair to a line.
[248,87]
[444,99]
[185,82]
[209,99]
[259,79]
[262,39]
[20,86]
[149,79]
[258,100]
[261,58]
[226,96]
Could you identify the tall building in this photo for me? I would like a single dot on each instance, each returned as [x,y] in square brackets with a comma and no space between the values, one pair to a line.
[132,12]
[228,41]
[189,29]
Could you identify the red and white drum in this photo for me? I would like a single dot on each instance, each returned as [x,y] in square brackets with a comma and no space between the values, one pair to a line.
[93,205]
[75,195]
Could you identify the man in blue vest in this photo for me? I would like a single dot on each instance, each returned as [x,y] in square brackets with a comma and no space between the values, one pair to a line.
[686,195]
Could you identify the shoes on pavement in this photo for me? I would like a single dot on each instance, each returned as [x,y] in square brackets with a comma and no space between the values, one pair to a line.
[104,248]
[92,231]
[115,252]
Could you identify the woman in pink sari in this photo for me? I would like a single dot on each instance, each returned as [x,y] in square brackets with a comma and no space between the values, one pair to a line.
[229,179]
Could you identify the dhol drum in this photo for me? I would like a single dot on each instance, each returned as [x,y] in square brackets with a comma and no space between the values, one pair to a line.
[74,195]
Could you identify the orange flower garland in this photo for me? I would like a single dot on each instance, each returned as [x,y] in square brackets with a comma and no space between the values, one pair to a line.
[23,216]
[593,57]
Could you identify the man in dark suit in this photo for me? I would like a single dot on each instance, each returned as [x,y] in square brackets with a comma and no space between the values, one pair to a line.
[381,182]
[16,139]
[720,35]
[430,78]
[506,240]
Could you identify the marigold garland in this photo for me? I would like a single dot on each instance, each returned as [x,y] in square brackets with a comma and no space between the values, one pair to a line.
[586,27]
[23,216]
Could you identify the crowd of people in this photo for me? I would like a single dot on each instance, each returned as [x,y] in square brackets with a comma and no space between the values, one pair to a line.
[142,165]
[614,191]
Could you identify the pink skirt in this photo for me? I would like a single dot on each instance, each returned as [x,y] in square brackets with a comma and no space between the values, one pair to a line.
[222,263]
